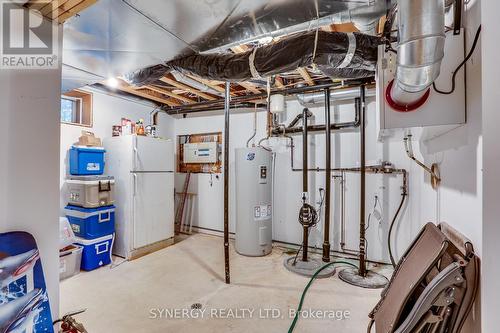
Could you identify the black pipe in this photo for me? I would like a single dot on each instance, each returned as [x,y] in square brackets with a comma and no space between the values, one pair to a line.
[296,120]
[226,181]
[362,227]
[404,193]
[305,185]
[217,107]
[319,128]
[328,176]
[246,98]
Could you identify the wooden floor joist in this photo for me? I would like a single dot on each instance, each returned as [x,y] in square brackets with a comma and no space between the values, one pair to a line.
[59,10]
[250,87]
[141,93]
[171,94]
[306,76]
[279,82]
[75,10]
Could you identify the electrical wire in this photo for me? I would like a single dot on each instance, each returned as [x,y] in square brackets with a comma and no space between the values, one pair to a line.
[403,198]
[453,78]
[302,297]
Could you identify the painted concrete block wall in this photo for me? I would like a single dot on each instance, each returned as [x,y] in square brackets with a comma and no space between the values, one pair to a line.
[29,146]
[107,111]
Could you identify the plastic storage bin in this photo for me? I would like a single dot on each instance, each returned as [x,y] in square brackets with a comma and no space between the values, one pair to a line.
[86,160]
[91,191]
[70,261]
[66,235]
[96,252]
[91,223]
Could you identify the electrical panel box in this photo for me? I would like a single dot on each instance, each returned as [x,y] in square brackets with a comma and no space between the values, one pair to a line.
[441,111]
[202,152]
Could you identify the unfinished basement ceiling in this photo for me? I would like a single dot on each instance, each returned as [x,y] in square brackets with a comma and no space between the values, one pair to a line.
[115,37]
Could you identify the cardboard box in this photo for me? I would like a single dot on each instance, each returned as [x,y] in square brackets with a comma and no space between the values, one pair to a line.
[89,139]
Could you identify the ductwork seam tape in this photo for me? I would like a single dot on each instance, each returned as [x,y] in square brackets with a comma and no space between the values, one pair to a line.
[251,64]
[350,51]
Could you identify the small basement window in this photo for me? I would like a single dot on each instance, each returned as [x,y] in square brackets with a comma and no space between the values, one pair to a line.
[76,108]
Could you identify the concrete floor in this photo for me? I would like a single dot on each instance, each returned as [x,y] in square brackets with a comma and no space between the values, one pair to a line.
[132,296]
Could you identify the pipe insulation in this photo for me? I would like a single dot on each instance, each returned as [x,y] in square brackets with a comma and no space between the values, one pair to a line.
[420,50]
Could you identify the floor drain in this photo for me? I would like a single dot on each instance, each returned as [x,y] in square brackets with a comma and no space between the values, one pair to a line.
[196,306]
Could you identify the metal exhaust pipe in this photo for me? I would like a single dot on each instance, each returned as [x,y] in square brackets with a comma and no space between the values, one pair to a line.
[420,52]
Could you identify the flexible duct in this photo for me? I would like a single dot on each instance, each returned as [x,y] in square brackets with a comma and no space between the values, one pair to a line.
[420,52]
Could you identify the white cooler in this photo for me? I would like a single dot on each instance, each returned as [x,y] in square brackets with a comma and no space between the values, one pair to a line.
[91,191]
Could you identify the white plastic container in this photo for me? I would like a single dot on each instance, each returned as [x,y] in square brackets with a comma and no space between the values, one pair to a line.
[66,234]
[278,103]
[70,261]
[91,191]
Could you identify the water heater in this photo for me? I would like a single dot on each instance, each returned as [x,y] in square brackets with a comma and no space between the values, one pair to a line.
[253,201]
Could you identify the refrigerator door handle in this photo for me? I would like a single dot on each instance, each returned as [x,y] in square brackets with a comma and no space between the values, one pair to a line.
[135,184]
[133,213]
[136,153]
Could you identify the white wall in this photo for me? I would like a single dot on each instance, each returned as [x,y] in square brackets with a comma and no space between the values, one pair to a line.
[107,111]
[491,164]
[29,146]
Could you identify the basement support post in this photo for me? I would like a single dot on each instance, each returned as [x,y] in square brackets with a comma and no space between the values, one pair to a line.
[328,176]
[362,213]
[305,185]
[361,276]
[226,181]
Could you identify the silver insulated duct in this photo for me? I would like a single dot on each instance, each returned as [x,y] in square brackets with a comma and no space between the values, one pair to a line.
[420,49]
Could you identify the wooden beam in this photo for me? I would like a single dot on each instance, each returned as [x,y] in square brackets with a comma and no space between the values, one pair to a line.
[64,7]
[36,4]
[75,10]
[171,94]
[187,88]
[124,87]
[279,82]
[381,24]
[250,87]
[50,9]
[305,75]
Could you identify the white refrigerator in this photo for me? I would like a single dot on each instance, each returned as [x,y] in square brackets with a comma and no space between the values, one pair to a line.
[143,168]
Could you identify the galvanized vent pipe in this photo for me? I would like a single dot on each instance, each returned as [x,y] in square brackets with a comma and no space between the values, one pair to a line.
[337,95]
[420,52]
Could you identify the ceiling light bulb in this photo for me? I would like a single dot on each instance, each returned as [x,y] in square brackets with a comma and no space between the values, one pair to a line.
[112,82]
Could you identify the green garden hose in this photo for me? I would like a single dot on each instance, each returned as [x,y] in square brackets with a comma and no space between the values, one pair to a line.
[296,317]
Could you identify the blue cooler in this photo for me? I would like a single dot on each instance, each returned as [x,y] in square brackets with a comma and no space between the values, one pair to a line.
[86,160]
[91,223]
[96,252]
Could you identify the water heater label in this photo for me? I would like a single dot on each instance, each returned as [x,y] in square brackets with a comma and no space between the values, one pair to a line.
[262,212]
[250,156]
